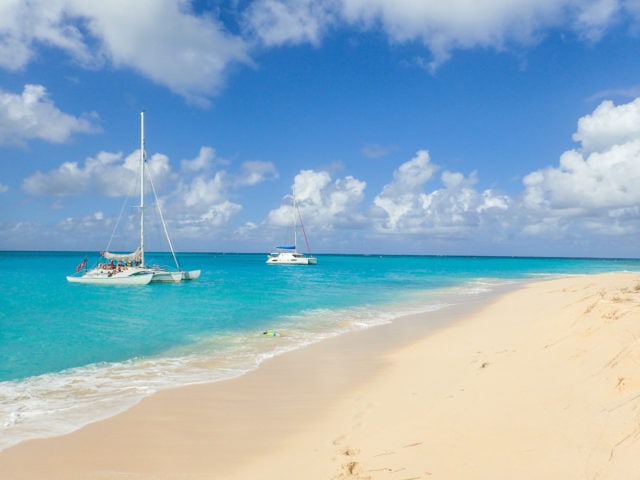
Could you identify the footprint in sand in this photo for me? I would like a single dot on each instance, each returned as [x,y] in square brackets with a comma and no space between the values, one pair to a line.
[349,452]
[350,470]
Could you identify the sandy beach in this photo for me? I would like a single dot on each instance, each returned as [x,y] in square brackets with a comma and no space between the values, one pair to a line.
[542,383]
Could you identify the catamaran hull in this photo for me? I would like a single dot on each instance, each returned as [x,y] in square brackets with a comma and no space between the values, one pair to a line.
[289,259]
[289,262]
[138,279]
[166,277]
[191,275]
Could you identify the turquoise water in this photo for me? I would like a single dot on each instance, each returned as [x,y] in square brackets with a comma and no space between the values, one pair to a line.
[71,354]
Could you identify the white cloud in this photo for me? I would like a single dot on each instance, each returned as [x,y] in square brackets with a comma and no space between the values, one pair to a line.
[201,205]
[246,229]
[446,26]
[323,202]
[591,190]
[106,174]
[599,181]
[328,203]
[254,172]
[203,161]
[441,26]
[3,188]
[33,115]
[84,232]
[403,206]
[595,187]
[402,196]
[604,174]
[593,19]
[609,125]
[194,205]
[412,175]
[161,39]
[203,192]
[251,172]
[278,22]
[166,42]
[220,214]
[68,179]
[25,24]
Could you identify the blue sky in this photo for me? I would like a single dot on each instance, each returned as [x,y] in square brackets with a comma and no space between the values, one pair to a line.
[500,127]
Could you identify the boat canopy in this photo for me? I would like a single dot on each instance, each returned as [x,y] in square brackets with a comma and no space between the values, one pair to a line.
[124,257]
[286,247]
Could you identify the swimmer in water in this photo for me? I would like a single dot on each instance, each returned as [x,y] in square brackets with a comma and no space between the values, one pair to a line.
[271,334]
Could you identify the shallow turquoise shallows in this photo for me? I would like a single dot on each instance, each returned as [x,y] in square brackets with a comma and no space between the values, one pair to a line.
[71,354]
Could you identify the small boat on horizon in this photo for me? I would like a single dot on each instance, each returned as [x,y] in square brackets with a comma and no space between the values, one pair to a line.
[288,254]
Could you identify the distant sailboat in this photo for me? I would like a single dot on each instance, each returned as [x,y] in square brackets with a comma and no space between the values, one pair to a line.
[288,254]
[130,268]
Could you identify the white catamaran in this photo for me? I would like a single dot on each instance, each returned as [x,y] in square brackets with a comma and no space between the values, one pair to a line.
[288,254]
[130,268]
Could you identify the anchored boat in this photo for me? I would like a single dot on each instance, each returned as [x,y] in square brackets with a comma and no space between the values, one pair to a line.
[288,254]
[130,268]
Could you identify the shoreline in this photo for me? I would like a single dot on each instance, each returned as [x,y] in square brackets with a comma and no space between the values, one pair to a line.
[387,403]
[61,403]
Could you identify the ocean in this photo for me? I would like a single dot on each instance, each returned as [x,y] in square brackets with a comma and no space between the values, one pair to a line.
[71,354]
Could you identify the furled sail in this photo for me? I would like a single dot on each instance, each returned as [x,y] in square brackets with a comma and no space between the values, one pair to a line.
[124,257]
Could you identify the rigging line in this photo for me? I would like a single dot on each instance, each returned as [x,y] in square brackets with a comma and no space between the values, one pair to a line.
[304,232]
[164,225]
[124,204]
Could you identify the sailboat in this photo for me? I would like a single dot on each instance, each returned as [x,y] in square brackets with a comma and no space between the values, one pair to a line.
[116,269]
[288,254]
[130,268]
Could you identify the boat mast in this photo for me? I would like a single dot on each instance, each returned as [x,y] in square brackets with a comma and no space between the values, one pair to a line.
[295,226]
[142,188]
